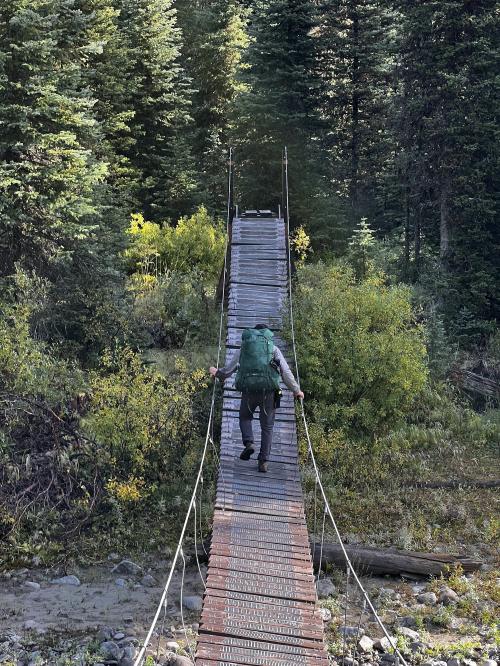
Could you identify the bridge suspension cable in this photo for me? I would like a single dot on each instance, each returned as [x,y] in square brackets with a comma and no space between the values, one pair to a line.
[208,439]
[328,509]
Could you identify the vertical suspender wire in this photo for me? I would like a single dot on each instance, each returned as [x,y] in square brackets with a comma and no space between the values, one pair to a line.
[315,525]
[360,620]
[309,443]
[322,545]
[147,640]
[201,515]
[188,645]
[230,195]
[160,633]
[196,545]
[344,633]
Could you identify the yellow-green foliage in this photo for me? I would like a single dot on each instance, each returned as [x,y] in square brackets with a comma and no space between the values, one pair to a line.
[362,355]
[301,244]
[196,243]
[144,422]
[26,365]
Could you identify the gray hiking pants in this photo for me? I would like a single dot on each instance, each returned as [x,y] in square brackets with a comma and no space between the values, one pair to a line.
[265,402]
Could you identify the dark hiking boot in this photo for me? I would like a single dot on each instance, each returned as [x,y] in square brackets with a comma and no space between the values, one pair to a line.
[248,451]
[262,466]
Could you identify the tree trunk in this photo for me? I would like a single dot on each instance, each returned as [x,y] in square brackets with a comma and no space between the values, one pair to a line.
[444,224]
[380,561]
[407,225]
[417,242]
[355,118]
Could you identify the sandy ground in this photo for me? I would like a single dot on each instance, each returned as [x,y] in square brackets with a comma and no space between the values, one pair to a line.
[97,602]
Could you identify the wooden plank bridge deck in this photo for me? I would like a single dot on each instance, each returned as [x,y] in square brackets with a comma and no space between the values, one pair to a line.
[260,603]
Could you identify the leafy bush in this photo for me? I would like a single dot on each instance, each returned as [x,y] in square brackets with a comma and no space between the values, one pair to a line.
[28,367]
[172,309]
[143,422]
[361,354]
[88,455]
[196,243]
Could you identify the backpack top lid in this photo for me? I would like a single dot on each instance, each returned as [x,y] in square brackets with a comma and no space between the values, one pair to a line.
[252,333]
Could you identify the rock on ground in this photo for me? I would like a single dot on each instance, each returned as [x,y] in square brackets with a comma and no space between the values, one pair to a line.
[192,603]
[447,596]
[66,580]
[127,567]
[178,660]
[409,633]
[326,615]
[352,632]
[365,644]
[325,588]
[110,650]
[382,644]
[428,598]
[148,581]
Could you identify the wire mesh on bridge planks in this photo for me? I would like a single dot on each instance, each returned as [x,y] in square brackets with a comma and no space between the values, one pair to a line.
[260,601]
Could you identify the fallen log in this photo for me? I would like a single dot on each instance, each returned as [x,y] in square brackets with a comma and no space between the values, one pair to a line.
[382,561]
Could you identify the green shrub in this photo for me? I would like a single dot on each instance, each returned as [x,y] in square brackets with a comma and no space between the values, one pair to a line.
[362,356]
[196,243]
[143,422]
[172,309]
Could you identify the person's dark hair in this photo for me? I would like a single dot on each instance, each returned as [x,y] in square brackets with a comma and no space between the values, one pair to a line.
[259,327]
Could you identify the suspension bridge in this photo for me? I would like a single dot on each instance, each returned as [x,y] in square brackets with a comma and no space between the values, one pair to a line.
[260,602]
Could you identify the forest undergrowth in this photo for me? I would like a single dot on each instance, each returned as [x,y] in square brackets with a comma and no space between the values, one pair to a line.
[115,118]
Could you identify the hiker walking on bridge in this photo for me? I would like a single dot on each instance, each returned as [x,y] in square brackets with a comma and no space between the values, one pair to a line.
[260,364]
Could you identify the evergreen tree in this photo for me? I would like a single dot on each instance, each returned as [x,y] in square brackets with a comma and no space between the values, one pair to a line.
[51,181]
[281,105]
[158,93]
[214,36]
[108,75]
[449,65]
[357,63]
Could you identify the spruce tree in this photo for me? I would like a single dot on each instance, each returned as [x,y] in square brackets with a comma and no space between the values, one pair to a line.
[281,105]
[108,76]
[449,64]
[357,62]
[50,178]
[213,38]
[158,94]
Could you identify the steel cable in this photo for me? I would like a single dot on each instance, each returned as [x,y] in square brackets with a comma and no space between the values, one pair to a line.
[306,429]
[140,657]
[188,644]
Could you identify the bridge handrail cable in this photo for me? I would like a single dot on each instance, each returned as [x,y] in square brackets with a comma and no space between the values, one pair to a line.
[140,657]
[306,429]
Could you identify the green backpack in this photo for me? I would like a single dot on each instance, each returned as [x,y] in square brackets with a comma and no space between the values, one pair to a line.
[256,372]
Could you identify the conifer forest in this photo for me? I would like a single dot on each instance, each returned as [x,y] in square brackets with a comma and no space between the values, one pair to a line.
[116,120]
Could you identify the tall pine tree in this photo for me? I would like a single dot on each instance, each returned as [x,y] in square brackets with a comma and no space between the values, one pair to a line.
[448,113]
[281,105]
[51,181]
[357,63]
[155,101]
[214,36]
